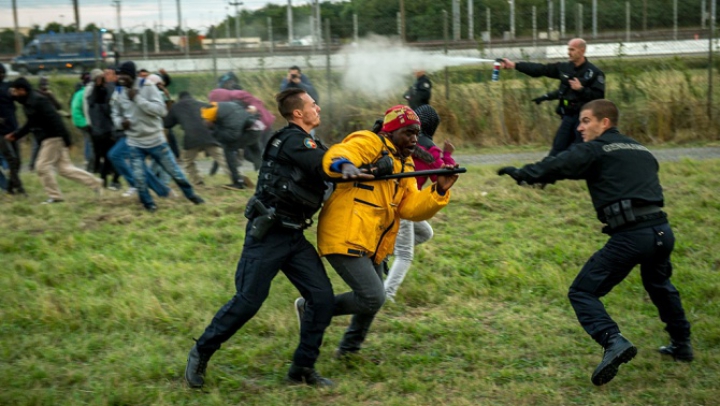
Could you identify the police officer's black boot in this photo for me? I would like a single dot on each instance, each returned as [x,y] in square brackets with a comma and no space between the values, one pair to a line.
[299,375]
[195,369]
[618,350]
[680,350]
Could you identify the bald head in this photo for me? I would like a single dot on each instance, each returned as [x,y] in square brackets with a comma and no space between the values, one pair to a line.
[576,51]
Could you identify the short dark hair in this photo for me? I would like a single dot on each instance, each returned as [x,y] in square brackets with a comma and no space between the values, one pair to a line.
[184,94]
[21,83]
[603,108]
[288,101]
[295,67]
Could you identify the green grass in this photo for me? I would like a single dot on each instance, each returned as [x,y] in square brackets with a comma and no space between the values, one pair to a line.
[100,300]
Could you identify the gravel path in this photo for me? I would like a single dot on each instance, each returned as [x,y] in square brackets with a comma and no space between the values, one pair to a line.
[663,155]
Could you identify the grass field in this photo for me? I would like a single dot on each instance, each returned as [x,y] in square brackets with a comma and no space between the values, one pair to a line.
[99,302]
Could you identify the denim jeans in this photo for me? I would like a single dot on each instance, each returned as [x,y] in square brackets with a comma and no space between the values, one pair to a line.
[409,235]
[119,156]
[364,301]
[165,158]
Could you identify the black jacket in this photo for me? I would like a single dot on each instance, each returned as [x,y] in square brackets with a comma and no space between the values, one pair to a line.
[42,119]
[186,113]
[8,120]
[592,79]
[100,110]
[419,93]
[614,166]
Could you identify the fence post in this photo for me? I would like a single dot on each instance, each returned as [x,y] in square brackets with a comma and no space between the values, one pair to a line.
[594,19]
[534,25]
[711,35]
[675,24]
[270,35]
[489,29]
[562,19]
[447,73]
[627,21]
[579,21]
[328,70]
[471,28]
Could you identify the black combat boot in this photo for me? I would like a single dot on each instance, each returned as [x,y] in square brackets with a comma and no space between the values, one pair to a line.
[618,350]
[299,375]
[195,369]
[680,350]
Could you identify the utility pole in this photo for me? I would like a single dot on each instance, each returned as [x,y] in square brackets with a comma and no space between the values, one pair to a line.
[77,16]
[237,19]
[18,39]
[160,20]
[512,19]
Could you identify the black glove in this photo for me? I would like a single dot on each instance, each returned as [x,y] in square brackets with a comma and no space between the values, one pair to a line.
[541,99]
[349,170]
[513,172]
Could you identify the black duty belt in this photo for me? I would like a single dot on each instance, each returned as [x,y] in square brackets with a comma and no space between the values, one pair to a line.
[622,214]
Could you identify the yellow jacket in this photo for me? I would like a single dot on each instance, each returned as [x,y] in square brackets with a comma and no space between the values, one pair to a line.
[362,218]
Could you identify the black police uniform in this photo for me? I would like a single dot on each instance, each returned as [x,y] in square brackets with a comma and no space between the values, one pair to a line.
[291,184]
[419,93]
[570,101]
[622,178]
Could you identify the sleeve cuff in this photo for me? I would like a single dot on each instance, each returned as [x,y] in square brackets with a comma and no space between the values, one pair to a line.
[337,165]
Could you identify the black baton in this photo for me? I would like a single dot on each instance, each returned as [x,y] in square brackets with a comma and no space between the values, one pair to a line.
[406,175]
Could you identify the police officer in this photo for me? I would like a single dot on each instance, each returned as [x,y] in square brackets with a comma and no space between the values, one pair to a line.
[580,82]
[289,191]
[622,178]
[419,93]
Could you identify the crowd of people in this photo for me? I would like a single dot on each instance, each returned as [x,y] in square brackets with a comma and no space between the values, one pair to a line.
[365,214]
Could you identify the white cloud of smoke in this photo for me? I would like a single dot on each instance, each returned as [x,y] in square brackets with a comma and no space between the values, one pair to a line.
[382,66]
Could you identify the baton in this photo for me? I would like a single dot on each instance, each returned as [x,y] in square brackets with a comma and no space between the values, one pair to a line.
[407,175]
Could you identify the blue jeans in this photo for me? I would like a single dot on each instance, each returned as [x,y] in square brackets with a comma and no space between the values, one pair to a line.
[165,158]
[119,156]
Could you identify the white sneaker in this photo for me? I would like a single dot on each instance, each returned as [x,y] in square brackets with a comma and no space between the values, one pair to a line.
[130,192]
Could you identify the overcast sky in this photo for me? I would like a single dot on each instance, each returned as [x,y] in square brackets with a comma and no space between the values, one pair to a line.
[133,13]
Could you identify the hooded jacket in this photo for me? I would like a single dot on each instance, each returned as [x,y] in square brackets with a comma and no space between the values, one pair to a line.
[42,119]
[362,218]
[145,113]
[225,95]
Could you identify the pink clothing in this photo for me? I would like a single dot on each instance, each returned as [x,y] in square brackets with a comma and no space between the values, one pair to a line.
[225,95]
[441,157]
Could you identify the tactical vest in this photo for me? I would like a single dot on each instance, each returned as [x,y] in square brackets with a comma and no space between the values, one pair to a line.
[285,186]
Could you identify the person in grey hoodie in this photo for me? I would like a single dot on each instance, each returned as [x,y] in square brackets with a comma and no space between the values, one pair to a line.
[138,109]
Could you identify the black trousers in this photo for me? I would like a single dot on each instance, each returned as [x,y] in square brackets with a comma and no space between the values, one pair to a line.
[650,247]
[281,249]
[102,144]
[13,159]
[566,135]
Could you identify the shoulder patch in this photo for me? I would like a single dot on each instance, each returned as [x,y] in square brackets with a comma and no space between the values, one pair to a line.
[276,142]
[310,143]
[601,79]
[426,85]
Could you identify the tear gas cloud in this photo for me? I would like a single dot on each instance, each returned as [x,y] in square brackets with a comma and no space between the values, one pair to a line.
[381,66]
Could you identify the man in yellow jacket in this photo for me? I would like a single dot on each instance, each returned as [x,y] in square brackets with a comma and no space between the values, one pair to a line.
[359,222]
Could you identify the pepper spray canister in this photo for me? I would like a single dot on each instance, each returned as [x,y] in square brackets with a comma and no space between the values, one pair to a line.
[496,69]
